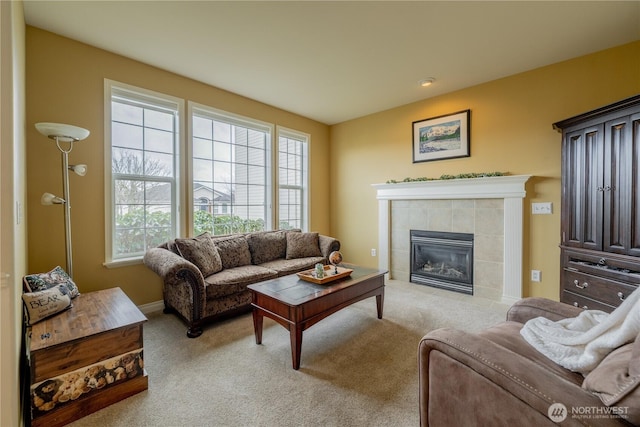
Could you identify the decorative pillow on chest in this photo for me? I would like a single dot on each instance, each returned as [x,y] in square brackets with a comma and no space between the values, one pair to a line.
[55,277]
[42,304]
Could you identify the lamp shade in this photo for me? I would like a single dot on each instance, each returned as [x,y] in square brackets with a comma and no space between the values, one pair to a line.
[80,170]
[63,132]
[51,199]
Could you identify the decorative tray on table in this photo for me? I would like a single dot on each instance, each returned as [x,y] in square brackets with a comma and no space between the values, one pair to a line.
[329,274]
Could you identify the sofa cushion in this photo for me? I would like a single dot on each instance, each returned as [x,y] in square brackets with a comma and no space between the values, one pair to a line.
[267,246]
[50,279]
[234,251]
[233,280]
[201,252]
[617,375]
[290,266]
[302,245]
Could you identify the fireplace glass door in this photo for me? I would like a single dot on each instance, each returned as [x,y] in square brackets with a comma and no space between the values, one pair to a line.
[442,260]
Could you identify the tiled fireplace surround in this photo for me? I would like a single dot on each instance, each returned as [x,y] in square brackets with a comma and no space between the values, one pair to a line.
[490,208]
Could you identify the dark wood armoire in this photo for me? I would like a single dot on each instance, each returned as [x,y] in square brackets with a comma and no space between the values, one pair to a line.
[600,229]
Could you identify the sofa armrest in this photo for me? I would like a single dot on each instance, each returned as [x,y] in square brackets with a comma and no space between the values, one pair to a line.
[166,264]
[328,245]
[530,308]
[176,271]
[529,382]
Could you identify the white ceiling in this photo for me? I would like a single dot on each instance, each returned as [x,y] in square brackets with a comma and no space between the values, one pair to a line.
[337,60]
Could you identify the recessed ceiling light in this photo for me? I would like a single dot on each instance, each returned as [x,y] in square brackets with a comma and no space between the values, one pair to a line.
[426,82]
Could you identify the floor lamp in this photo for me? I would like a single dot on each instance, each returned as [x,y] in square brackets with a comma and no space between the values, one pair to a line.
[64,134]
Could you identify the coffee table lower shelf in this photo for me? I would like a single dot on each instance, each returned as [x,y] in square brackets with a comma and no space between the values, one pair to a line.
[297,304]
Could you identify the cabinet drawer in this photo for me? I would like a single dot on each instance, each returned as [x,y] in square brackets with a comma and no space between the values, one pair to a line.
[584,303]
[601,264]
[597,288]
[70,356]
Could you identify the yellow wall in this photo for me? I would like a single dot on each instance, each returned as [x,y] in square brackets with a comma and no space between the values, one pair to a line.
[65,84]
[511,131]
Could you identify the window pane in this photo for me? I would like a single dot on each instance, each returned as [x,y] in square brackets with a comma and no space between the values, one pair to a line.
[127,191]
[202,148]
[202,128]
[124,135]
[158,140]
[158,164]
[128,241]
[240,136]
[222,131]
[126,113]
[202,170]
[256,157]
[159,120]
[222,151]
[127,161]
[256,139]
[158,193]
[222,172]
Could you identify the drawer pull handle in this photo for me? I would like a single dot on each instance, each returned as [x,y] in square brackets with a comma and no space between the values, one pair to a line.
[621,296]
[575,304]
[578,285]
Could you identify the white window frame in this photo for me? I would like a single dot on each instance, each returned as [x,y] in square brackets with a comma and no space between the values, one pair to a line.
[306,143]
[234,119]
[112,87]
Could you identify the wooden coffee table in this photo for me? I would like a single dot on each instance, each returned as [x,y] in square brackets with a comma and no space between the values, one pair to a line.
[297,304]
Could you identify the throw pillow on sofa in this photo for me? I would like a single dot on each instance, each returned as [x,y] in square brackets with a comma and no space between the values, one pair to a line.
[617,375]
[234,251]
[266,246]
[201,252]
[303,245]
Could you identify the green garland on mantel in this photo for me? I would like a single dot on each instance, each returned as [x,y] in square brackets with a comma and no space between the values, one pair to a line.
[446,176]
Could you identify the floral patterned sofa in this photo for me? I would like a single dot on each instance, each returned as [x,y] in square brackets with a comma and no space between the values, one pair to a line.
[206,277]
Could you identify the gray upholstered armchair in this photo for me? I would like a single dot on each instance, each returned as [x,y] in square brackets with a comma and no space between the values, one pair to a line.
[495,378]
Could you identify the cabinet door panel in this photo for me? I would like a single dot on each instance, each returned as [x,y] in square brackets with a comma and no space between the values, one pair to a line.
[582,188]
[620,234]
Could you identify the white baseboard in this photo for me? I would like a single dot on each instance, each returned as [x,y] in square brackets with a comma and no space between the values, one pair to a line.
[152,307]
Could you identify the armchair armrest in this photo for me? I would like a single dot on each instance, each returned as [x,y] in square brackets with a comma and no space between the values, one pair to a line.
[524,379]
[530,308]
[328,245]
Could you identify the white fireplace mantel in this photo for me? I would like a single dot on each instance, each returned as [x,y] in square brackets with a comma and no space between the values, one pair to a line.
[510,188]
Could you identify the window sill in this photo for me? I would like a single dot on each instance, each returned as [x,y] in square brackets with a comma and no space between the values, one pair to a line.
[125,262]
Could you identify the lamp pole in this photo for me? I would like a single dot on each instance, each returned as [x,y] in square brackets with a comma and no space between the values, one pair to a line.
[67,206]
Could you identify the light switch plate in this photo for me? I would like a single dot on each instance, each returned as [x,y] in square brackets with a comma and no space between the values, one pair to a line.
[541,208]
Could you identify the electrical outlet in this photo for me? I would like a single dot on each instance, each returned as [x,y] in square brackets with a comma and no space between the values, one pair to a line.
[536,275]
[373,252]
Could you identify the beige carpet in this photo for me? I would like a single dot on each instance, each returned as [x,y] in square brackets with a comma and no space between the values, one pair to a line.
[356,370]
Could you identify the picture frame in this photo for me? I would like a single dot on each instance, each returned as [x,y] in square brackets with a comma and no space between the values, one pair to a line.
[442,137]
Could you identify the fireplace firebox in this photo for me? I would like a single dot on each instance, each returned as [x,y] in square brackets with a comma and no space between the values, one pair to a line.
[442,260]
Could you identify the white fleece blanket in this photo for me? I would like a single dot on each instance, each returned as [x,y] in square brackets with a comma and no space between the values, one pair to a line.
[580,343]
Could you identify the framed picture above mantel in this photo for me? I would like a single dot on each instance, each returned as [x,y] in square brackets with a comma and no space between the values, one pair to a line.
[442,137]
